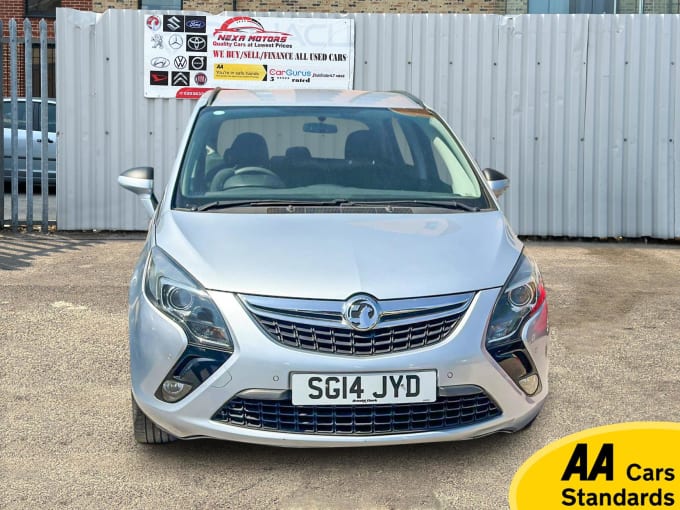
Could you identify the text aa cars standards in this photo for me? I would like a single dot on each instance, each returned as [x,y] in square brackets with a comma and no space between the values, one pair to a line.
[330,268]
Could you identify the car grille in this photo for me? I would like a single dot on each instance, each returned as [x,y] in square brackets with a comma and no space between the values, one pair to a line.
[347,341]
[282,416]
[319,325]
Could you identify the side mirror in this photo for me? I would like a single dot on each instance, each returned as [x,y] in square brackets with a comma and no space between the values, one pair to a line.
[139,180]
[498,182]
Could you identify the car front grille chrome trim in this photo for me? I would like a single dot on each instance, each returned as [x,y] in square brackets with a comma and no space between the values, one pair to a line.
[319,325]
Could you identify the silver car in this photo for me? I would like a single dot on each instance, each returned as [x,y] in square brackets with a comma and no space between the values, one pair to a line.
[330,268]
[36,141]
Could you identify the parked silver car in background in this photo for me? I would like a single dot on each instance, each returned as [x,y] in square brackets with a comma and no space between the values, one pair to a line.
[37,141]
[330,268]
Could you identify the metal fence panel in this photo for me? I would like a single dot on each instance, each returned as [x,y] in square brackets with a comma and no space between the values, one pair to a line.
[2,139]
[539,101]
[44,119]
[549,99]
[383,52]
[674,121]
[28,87]
[21,137]
[452,70]
[14,137]
[629,153]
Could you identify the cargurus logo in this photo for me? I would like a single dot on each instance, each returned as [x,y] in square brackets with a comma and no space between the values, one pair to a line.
[294,73]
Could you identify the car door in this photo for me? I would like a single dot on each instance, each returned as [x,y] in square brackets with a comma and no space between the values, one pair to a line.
[21,137]
[51,139]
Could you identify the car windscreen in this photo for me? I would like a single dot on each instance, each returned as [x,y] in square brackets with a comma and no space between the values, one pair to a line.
[323,153]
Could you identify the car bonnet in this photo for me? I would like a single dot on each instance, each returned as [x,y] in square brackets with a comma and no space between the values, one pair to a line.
[332,256]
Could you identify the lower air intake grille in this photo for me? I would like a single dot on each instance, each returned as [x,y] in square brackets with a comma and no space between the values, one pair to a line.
[283,416]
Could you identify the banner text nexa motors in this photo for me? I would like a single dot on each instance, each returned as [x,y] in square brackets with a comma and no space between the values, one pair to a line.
[185,55]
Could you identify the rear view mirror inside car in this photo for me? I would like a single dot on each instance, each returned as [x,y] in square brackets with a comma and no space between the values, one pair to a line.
[319,127]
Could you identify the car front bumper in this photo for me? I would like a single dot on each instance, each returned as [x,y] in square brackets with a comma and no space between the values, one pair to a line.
[258,363]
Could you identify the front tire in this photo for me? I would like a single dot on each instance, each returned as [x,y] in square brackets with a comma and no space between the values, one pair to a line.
[146,431]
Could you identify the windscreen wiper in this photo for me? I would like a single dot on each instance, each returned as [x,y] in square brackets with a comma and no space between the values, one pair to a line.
[222,204]
[444,204]
[226,204]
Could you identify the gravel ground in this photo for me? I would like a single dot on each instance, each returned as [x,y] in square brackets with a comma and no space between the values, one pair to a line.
[65,428]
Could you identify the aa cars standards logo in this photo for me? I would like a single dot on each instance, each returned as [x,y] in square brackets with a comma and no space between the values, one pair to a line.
[245,28]
[627,465]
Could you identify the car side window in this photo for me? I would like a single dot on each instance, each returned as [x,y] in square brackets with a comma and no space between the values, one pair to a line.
[36,116]
[7,115]
[52,118]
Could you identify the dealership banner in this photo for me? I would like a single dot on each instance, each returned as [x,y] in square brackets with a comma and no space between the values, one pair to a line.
[185,55]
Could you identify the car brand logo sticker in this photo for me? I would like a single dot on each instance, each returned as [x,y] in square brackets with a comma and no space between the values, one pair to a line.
[200,79]
[175,41]
[180,62]
[198,63]
[153,22]
[361,312]
[180,79]
[195,24]
[157,41]
[160,62]
[158,78]
[197,43]
[173,23]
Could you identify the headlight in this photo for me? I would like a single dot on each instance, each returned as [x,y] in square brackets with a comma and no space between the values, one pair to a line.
[522,295]
[176,294]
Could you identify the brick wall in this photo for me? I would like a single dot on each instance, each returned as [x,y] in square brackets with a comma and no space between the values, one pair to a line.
[335,6]
[389,6]
[516,7]
[17,9]
[102,5]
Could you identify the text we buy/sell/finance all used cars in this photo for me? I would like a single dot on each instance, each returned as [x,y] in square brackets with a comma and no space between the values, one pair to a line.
[329,268]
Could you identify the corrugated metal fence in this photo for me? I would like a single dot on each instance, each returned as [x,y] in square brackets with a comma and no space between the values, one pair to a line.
[25,142]
[579,110]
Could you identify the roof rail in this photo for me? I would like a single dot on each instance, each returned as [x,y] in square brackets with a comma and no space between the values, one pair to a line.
[213,95]
[411,96]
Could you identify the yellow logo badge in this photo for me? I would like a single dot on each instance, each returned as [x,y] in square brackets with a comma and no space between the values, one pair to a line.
[249,72]
[628,465]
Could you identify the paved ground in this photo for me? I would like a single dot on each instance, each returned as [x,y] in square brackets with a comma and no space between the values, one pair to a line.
[65,432]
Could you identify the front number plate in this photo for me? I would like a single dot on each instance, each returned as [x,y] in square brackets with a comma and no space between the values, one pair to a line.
[364,389]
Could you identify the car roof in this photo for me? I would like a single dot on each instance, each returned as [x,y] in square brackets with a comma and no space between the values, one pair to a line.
[310,97]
